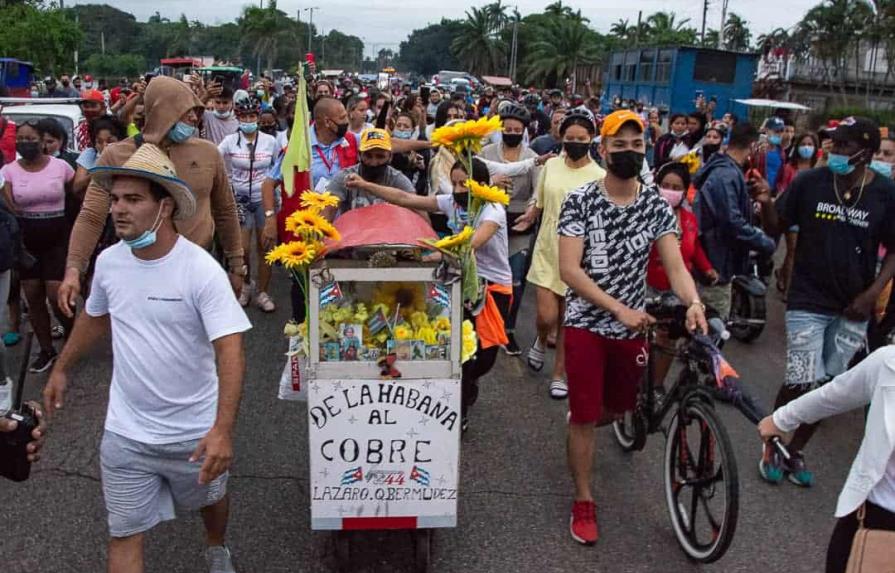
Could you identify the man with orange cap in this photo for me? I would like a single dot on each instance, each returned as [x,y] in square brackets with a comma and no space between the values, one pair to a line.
[93,105]
[606,231]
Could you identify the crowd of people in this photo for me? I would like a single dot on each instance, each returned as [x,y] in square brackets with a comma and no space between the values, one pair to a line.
[179,188]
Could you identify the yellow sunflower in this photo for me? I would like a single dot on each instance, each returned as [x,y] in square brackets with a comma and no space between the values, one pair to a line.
[466,135]
[487,193]
[455,241]
[292,255]
[318,201]
[309,222]
[403,332]
[443,324]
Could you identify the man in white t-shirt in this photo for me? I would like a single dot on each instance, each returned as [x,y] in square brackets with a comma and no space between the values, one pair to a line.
[177,363]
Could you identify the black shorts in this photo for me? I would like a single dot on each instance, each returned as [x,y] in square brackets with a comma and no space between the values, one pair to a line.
[47,241]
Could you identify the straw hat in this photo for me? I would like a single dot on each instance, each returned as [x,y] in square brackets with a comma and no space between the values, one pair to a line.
[150,162]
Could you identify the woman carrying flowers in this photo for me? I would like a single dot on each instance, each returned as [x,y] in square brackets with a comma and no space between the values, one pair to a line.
[476,214]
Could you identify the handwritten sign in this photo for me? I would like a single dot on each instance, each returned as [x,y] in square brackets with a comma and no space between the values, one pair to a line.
[384,454]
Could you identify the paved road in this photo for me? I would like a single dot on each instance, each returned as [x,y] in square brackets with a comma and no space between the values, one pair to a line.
[514,497]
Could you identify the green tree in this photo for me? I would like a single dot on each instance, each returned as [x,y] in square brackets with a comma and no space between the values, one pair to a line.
[663,28]
[428,50]
[479,46]
[129,65]
[737,35]
[564,45]
[263,30]
[44,36]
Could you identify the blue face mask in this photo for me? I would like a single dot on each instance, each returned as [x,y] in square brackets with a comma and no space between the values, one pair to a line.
[775,139]
[248,127]
[148,237]
[181,132]
[839,164]
[402,134]
[881,167]
[222,114]
[806,151]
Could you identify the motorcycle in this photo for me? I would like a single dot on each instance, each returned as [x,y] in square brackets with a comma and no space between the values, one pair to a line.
[748,314]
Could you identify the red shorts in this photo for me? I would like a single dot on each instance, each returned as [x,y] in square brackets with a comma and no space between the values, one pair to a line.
[602,372]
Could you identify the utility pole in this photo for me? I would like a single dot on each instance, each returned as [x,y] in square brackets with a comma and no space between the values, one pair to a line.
[639,25]
[515,50]
[723,24]
[310,12]
[77,23]
[705,9]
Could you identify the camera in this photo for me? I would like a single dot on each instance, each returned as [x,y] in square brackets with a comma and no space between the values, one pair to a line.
[14,464]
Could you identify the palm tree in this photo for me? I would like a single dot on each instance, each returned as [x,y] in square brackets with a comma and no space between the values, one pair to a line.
[263,29]
[663,29]
[479,46]
[564,45]
[737,35]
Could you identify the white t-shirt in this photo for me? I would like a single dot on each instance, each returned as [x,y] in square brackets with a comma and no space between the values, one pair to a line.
[247,174]
[492,258]
[165,314]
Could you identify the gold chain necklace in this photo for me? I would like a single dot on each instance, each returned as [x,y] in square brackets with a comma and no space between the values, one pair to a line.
[847,195]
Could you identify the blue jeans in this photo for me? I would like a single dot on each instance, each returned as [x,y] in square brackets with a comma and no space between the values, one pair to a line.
[820,346]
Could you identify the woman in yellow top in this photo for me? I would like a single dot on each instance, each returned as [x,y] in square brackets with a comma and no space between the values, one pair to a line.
[559,176]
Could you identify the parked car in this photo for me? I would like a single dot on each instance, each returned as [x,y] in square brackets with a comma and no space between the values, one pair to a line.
[64,110]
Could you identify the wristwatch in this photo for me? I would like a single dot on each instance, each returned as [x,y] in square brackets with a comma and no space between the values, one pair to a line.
[697,302]
[240,271]
[269,213]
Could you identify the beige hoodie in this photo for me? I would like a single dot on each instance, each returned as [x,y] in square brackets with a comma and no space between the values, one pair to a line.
[197,162]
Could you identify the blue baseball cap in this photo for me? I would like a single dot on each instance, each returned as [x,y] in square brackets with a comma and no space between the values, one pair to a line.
[774,124]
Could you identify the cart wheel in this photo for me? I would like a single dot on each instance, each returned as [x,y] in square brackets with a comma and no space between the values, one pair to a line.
[343,551]
[422,549]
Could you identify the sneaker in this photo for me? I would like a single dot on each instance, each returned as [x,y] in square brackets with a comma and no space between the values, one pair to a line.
[511,348]
[5,395]
[219,559]
[57,332]
[536,356]
[11,338]
[797,472]
[770,466]
[264,302]
[42,362]
[246,295]
[583,522]
[559,390]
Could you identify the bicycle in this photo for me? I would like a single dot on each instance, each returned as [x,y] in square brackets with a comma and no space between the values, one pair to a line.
[699,458]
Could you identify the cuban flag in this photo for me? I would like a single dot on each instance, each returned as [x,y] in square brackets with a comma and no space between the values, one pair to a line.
[330,294]
[353,475]
[440,295]
[420,476]
[377,322]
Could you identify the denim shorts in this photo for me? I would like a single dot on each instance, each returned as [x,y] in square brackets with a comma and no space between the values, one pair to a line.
[251,215]
[820,346]
[142,483]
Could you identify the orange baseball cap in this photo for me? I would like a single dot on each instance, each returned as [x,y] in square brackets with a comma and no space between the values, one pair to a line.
[375,138]
[615,120]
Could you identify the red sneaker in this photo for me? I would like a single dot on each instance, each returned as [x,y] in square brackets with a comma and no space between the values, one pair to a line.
[583,523]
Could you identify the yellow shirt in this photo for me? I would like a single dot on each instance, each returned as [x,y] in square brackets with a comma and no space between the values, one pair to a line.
[556,181]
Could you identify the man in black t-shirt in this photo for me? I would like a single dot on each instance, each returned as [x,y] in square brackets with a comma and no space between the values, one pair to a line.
[844,212]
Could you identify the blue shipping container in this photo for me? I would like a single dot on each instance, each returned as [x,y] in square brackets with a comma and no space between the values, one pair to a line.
[672,78]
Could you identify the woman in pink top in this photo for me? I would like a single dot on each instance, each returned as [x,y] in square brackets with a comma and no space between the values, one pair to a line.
[35,190]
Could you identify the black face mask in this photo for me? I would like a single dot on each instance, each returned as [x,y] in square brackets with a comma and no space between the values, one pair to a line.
[625,164]
[576,149]
[29,150]
[372,172]
[64,83]
[269,129]
[462,200]
[710,149]
[512,139]
[341,130]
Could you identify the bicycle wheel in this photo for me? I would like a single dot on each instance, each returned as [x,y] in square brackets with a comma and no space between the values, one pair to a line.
[701,487]
[630,431]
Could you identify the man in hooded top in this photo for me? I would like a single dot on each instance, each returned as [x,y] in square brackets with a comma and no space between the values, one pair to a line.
[172,114]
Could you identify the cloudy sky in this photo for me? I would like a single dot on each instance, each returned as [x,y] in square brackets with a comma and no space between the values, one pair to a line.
[386,23]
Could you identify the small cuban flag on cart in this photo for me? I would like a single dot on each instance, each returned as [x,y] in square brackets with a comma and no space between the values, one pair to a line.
[330,294]
[440,295]
[377,322]
[353,475]
[419,475]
